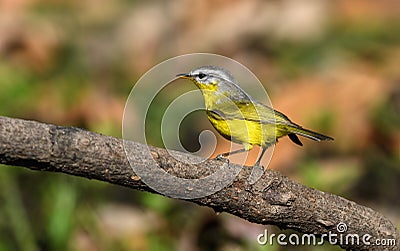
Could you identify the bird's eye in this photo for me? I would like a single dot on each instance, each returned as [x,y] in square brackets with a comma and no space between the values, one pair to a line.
[201,76]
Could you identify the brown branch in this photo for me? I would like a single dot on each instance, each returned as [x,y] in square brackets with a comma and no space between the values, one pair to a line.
[273,199]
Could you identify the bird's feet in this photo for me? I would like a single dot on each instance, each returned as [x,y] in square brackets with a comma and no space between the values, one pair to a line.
[256,173]
[259,166]
[222,157]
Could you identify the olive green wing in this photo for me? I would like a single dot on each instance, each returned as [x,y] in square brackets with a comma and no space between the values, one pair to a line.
[251,111]
[257,112]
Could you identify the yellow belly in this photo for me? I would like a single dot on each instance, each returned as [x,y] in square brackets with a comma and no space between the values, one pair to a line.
[246,132]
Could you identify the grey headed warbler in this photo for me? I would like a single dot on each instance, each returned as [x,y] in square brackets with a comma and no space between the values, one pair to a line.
[239,118]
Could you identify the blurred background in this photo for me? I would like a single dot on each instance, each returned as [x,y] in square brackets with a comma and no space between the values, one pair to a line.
[333,66]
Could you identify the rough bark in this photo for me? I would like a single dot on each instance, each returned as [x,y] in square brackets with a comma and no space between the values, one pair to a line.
[273,199]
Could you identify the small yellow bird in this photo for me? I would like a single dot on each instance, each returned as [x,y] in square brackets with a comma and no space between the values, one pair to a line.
[239,118]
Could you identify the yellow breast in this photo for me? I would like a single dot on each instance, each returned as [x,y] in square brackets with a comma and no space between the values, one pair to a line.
[244,132]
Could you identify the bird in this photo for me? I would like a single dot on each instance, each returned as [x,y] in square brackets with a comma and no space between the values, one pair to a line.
[238,117]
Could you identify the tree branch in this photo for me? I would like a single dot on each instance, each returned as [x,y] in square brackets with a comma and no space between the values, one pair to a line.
[273,199]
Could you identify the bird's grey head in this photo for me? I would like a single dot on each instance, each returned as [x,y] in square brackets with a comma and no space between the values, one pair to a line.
[211,75]
[216,79]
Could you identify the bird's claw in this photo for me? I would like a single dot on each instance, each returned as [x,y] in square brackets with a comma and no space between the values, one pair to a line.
[221,157]
[259,166]
[256,173]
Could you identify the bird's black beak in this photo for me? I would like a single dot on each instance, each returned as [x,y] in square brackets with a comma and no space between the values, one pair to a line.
[183,75]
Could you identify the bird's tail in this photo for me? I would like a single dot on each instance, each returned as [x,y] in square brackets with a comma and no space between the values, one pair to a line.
[298,130]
